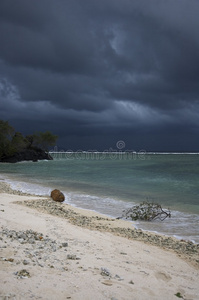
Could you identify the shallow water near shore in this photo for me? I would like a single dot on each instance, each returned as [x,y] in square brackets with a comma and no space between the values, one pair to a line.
[110,183]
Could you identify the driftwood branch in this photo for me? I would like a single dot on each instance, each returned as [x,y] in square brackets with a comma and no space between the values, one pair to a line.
[146,211]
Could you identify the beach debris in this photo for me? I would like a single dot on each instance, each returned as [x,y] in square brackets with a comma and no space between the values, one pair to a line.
[23,274]
[146,211]
[73,257]
[57,195]
[107,282]
[8,296]
[7,259]
[119,278]
[123,253]
[105,272]
[41,252]
[131,282]
[179,295]
[10,259]
[190,249]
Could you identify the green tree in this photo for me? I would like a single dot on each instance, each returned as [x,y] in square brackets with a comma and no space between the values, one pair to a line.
[30,140]
[47,139]
[43,140]
[19,143]
[6,135]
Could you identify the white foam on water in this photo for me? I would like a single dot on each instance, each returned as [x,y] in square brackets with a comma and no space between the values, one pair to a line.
[104,205]
[181,225]
[27,187]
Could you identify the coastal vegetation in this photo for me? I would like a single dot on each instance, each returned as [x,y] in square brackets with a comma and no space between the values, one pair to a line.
[16,147]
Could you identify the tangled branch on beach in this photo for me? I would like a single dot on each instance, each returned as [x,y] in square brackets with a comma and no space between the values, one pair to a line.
[146,211]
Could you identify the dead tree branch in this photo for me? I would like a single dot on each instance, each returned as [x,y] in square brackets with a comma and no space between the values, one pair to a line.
[146,211]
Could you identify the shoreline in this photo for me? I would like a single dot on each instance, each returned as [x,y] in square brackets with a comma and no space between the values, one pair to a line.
[111,199]
[50,250]
[143,226]
[96,221]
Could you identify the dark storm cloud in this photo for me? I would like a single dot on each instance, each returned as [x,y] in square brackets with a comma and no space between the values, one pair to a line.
[101,68]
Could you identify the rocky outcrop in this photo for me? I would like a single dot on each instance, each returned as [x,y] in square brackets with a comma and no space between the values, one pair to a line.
[57,195]
[28,155]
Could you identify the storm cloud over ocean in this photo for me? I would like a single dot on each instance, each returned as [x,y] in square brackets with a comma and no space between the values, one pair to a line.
[97,72]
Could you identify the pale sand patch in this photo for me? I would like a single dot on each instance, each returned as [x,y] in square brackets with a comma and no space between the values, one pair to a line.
[135,270]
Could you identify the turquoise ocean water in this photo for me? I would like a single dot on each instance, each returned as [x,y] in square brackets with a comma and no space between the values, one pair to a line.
[111,182]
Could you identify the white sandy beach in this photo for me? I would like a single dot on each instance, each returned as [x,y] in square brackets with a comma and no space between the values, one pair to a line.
[74,262]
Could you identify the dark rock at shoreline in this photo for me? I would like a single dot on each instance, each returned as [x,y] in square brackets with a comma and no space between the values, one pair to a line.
[28,155]
[57,195]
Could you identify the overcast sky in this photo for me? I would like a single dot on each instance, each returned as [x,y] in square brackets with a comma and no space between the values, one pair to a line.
[96,72]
